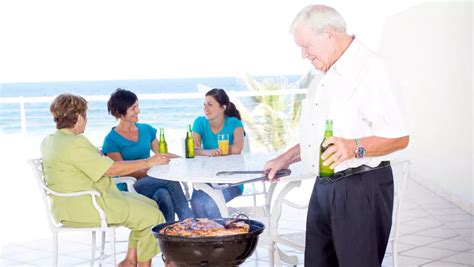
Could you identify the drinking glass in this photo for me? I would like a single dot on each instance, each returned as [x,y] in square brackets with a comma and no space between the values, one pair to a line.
[223,143]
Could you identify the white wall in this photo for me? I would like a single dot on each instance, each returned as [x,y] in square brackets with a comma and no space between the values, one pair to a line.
[430,49]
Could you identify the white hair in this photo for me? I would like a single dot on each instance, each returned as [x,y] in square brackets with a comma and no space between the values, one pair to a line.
[318,17]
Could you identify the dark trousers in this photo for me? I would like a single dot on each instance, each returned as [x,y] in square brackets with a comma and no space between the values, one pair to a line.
[349,220]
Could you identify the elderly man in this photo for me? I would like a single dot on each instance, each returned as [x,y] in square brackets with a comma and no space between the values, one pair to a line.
[349,214]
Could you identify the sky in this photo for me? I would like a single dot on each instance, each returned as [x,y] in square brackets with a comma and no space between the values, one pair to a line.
[61,40]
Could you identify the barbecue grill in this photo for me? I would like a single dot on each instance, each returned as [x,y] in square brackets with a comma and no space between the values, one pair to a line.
[231,250]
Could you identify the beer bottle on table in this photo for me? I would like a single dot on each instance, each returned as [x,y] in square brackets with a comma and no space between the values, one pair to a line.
[189,143]
[162,146]
[325,171]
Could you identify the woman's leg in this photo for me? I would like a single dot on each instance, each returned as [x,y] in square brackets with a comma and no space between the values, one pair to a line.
[198,200]
[231,193]
[205,207]
[147,186]
[156,189]
[130,259]
[163,199]
[142,217]
[180,202]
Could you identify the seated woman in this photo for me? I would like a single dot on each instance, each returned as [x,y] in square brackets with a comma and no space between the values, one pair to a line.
[71,163]
[221,117]
[131,140]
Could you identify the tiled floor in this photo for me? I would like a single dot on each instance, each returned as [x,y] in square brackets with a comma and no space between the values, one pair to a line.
[433,232]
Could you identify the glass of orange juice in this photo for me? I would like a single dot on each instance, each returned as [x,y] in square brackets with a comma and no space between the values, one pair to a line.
[223,143]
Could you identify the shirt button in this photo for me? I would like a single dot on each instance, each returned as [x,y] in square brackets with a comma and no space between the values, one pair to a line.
[312,124]
[322,84]
[313,165]
[316,104]
[309,145]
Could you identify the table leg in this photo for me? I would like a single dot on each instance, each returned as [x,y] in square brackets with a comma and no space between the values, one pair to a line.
[216,195]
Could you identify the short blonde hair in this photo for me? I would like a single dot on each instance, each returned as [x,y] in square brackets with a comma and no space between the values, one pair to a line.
[66,108]
[318,17]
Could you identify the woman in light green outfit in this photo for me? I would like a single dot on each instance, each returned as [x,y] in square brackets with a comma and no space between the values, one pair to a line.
[71,163]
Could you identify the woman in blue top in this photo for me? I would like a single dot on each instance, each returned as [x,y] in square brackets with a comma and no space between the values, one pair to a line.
[221,117]
[131,140]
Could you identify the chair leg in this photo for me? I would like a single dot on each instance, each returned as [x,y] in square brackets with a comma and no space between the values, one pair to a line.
[394,253]
[102,247]
[93,249]
[55,248]
[112,246]
[271,253]
[254,193]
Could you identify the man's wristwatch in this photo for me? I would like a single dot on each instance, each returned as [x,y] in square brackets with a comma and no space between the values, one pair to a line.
[360,150]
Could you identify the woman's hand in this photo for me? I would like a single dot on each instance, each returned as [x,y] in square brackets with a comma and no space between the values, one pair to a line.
[158,159]
[172,156]
[213,152]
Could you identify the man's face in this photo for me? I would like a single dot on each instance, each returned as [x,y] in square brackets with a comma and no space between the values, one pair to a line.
[319,49]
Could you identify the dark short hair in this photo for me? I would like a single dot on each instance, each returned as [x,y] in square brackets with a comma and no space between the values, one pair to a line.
[121,100]
[66,108]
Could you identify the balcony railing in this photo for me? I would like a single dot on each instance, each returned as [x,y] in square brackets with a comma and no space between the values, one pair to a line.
[32,113]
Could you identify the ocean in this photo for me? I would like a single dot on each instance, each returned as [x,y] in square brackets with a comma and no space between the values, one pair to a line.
[169,113]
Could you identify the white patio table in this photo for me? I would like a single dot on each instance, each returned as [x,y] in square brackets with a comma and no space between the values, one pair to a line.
[201,171]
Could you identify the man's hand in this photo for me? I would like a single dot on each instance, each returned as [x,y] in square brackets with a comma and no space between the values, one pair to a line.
[275,165]
[339,150]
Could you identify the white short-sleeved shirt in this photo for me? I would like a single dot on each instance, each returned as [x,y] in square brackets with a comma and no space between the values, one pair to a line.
[357,94]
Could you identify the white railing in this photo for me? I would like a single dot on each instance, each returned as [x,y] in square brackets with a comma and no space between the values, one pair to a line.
[232,94]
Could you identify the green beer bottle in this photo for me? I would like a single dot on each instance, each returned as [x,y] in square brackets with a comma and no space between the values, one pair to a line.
[162,146]
[325,171]
[189,143]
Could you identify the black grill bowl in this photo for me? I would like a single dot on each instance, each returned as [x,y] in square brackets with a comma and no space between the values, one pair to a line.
[209,251]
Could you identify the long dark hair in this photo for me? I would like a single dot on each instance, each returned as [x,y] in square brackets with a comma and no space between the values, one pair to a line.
[223,99]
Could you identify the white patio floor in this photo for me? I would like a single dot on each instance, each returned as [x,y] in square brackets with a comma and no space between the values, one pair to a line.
[433,232]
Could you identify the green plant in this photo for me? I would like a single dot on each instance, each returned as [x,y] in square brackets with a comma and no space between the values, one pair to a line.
[271,120]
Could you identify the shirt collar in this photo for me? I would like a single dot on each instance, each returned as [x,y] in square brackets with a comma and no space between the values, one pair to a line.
[66,131]
[350,63]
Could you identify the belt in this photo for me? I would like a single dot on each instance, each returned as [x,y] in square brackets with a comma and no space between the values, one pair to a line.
[351,171]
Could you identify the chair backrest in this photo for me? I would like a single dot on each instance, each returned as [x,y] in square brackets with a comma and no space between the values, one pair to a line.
[37,167]
[400,175]
[246,148]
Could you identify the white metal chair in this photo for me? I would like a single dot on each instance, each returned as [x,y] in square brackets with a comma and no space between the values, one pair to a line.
[295,240]
[400,175]
[57,227]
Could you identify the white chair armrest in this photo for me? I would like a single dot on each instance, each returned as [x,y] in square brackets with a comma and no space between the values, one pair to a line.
[129,180]
[293,204]
[73,194]
[93,194]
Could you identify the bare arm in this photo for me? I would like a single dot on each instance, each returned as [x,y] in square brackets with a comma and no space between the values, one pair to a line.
[238,145]
[117,157]
[343,149]
[154,148]
[126,167]
[203,152]
[284,160]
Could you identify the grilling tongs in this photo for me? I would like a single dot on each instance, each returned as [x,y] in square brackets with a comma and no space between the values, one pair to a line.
[280,173]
